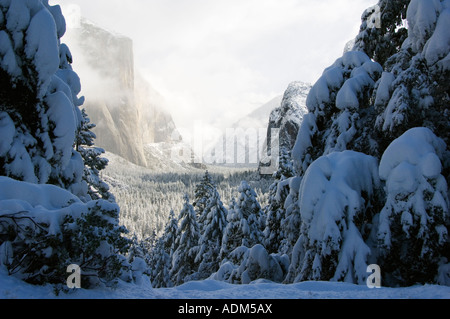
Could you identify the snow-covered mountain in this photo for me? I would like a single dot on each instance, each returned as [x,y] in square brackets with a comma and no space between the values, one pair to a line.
[242,143]
[287,118]
[128,111]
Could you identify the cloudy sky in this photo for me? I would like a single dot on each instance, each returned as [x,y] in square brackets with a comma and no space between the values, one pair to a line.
[217,60]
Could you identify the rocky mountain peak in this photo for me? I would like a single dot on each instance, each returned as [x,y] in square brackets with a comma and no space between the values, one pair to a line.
[287,118]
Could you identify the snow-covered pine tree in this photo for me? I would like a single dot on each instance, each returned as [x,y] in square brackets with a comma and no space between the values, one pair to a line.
[252,215]
[244,222]
[203,191]
[170,233]
[412,232]
[210,242]
[382,31]
[39,103]
[285,167]
[341,117]
[233,233]
[162,253]
[275,213]
[186,245]
[275,210]
[340,114]
[414,89]
[93,162]
[162,262]
[337,195]
[48,227]
[243,259]
[240,262]
[394,79]
[291,223]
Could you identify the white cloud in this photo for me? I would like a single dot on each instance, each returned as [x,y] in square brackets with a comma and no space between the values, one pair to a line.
[217,60]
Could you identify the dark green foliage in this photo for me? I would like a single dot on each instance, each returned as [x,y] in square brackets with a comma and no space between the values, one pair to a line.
[203,191]
[93,162]
[382,41]
[413,258]
[184,265]
[96,240]
[210,242]
[275,211]
[40,254]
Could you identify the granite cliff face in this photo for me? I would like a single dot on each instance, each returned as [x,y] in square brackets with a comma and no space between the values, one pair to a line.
[287,118]
[156,125]
[128,112]
[289,115]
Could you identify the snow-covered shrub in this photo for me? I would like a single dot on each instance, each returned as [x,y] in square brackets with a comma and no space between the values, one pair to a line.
[258,264]
[336,203]
[45,229]
[412,230]
[249,264]
[139,258]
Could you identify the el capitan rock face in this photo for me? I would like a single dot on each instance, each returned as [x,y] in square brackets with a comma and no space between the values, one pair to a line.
[128,112]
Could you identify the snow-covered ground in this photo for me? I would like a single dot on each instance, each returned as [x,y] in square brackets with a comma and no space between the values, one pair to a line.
[13,288]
